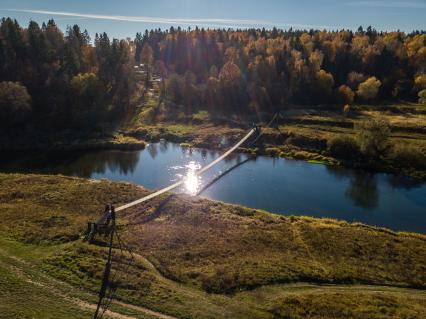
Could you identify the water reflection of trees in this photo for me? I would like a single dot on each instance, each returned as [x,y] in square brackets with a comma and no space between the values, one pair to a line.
[204,153]
[238,163]
[398,182]
[234,157]
[362,189]
[78,163]
[87,164]
[164,146]
[152,150]
[363,185]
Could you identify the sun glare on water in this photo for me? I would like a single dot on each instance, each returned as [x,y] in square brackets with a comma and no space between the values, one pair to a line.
[192,180]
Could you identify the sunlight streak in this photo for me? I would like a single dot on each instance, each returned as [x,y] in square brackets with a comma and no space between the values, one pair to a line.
[192,180]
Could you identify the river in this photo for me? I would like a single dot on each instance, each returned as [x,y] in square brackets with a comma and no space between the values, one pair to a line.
[273,184]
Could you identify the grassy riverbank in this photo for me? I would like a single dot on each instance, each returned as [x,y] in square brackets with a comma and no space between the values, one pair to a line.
[301,133]
[199,259]
[67,142]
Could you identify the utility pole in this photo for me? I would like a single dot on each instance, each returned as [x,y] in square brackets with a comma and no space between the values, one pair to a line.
[107,271]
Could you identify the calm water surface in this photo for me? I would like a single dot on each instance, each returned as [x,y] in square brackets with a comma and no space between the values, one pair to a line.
[273,184]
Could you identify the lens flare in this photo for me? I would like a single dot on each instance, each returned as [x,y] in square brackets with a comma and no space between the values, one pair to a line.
[192,182]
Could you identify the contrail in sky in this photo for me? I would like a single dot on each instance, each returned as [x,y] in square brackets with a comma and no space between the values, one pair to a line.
[173,21]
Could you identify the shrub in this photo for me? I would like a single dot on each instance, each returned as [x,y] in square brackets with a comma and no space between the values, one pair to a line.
[345,95]
[201,117]
[305,142]
[369,89]
[324,82]
[223,281]
[346,109]
[372,137]
[422,97]
[15,103]
[354,79]
[420,81]
[407,156]
[343,147]
[272,151]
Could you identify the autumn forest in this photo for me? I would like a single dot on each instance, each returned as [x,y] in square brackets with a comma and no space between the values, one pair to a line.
[55,81]
[212,172]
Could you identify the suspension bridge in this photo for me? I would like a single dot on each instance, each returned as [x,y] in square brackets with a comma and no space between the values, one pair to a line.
[106,223]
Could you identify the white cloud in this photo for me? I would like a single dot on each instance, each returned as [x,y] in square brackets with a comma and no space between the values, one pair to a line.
[390,4]
[212,22]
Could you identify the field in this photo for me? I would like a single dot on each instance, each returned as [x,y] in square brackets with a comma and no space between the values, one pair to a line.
[194,258]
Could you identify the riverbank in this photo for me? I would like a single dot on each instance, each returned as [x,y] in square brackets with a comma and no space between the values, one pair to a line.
[201,259]
[66,142]
[300,133]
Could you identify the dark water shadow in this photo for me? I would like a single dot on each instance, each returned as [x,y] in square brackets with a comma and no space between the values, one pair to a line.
[214,180]
[152,150]
[362,189]
[403,182]
[80,164]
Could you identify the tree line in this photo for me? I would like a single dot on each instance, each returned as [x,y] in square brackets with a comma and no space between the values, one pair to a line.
[260,70]
[55,81]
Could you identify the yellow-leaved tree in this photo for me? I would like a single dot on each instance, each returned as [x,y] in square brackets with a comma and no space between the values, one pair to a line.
[420,82]
[369,89]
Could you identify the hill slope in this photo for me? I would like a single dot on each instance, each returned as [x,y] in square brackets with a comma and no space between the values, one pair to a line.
[194,258]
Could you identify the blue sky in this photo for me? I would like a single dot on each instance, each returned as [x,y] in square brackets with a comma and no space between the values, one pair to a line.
[124,18]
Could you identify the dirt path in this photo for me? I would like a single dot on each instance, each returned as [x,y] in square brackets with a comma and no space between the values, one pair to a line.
[30,274]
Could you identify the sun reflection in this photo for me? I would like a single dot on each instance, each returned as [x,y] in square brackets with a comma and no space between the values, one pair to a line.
[192,180]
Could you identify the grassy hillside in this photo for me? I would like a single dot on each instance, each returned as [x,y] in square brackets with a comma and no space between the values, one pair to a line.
[194,258]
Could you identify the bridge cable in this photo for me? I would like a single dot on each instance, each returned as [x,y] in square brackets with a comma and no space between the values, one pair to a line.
[201,170]
[105,279]
[227,171]
[182,181]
